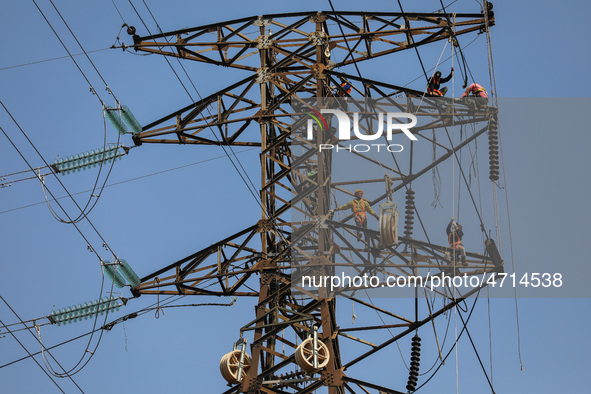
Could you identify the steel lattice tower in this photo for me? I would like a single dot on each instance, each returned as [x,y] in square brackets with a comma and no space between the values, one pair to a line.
[295,61]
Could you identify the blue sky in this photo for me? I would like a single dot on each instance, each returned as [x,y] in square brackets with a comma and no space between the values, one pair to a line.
[540,50]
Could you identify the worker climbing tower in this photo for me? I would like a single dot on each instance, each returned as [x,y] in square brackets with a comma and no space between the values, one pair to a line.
[293,70]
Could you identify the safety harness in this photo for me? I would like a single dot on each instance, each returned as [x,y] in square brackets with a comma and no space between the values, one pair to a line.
[435,92]
[346,87]
[477,91]
[431,86]
[359,215]
[456,244]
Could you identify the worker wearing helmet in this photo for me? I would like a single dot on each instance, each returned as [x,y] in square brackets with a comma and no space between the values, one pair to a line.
[454,237]
[435,82]
[359,206]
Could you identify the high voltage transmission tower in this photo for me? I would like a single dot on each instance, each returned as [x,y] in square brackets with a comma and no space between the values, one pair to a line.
[293,64]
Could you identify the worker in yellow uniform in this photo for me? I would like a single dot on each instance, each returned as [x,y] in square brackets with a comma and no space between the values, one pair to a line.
[359,206]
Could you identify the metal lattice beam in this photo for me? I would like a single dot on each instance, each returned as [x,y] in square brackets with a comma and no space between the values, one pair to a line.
[288,57]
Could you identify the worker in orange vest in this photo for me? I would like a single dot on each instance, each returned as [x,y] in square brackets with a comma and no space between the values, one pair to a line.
[435,82]
[454,237]
[346,87]
[359,206]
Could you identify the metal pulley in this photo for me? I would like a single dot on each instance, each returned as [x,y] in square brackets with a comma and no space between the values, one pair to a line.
[312,355]
[235,365]
[388,224]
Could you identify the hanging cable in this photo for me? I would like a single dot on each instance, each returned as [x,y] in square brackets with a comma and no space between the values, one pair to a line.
[32,170]
[121,182]
[43,347]
[34,359]
[89,245]
[93,90]
[492,77]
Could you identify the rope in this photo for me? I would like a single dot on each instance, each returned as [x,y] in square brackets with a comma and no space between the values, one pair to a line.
[454,259]
[435,176]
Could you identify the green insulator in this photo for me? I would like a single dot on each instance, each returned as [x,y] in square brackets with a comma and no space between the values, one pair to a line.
[79,312]
[129,274]
[131,121]
[84,311]
[112,115]
[112,274]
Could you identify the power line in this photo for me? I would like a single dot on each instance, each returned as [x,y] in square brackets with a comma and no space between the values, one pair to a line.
[124,181]
[109,326]
[31,167]
[31,356]
[60,182]
[92,89]
[88,57]
[42,347]
[53,59]
[93,250]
